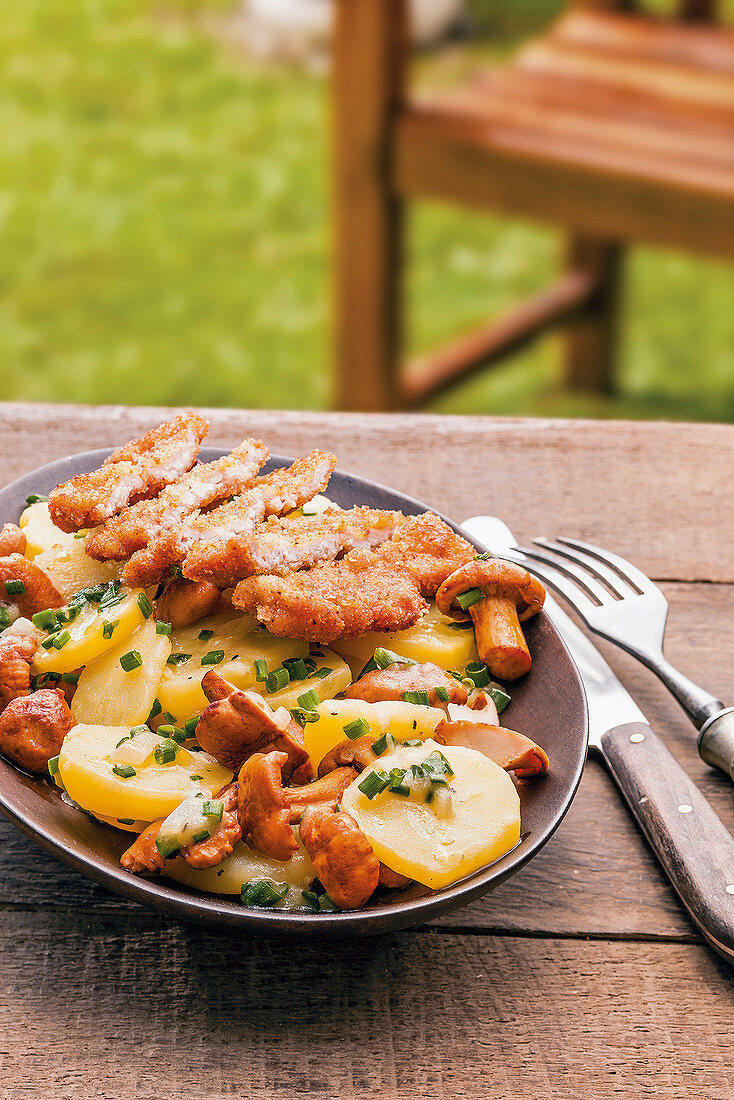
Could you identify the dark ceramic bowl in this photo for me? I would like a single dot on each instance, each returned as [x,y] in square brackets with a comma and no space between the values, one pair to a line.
[548,705]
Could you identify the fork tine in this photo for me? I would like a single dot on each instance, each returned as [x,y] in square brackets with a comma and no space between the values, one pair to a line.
[574,589]
[625,569]
[601,572]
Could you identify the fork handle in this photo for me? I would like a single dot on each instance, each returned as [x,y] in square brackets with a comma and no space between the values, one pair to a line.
[692,844]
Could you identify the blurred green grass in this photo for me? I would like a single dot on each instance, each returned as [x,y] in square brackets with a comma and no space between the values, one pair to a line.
[164,209]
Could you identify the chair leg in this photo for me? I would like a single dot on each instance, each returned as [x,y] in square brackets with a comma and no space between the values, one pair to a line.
[370,44]
[592,339]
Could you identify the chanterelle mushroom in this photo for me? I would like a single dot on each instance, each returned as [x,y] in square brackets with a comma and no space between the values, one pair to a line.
[341,854]
[16,653]
[264,808]
[33,727]
[12,540]
[31,589]
[392,683]
[512,751]
[183,602]
[506,595]
[237,724]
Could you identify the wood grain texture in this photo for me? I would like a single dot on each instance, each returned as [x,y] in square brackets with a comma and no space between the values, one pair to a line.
[122,1008]
[618,484]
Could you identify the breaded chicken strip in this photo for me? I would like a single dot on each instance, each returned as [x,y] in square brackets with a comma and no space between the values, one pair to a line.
[207,537]
[208,484]
[134,472]
[283,545]
[380,589]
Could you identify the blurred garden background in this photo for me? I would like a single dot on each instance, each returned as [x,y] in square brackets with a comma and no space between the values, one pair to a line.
[165,237]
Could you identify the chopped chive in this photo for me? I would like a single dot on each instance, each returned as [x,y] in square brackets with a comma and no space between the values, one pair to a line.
[108,628]
[15,588]
[382,744]
[297,668]
[213,657]
[167,845]
[327,905]
[47,643]
[383,658]
[53,765]
[311,899]
[203,834]
[162,628]
[126,820]
[166,751]
[178,658]
[131,660]
[303,717]
[175,571]
[205,635]
[277,679]
[83,535]
[190,726]
[484,557]
[213,808]
[124,739]
[175,734]
[68,614]
[467,599]
[374,783]
[70,677]
[167,718]
[125,771]
[4,618]
[320,673]
[478,673]
[261,670]
[45,620]
[436,767]
[442,694]
[263,894]
[499,696]
[36,498]
[420,698]
[145,605]
[196,777]
[309,700]
[358,728]
[461,626]
[60,640]
[155,710]
[413,744]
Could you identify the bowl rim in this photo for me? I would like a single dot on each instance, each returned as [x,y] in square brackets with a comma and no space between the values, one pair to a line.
[174,899]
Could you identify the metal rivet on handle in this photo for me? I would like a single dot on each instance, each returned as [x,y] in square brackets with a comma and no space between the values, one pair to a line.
[636,738]
[684,808]
[730,888]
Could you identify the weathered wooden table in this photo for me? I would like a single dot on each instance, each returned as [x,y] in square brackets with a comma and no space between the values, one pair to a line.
[581,977]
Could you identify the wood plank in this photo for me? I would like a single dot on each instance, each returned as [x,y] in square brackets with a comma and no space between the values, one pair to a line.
[369,51]
[121,1008]
[571,183]
[596,877]
[619,484]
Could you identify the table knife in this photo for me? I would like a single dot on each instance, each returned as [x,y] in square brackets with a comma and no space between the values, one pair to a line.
[692,844]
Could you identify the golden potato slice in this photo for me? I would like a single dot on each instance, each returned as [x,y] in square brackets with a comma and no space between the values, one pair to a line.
[326,688]
[85,767]
[107,695]
[243,640]
[404,721]
[434,638]
[246,865]
[410,837]
[40,531]
[71,569]
[87,639]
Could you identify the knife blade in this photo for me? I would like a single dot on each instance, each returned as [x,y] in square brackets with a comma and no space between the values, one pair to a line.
[693,846]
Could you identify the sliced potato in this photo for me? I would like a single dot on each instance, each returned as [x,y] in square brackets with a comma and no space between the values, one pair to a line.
[243,640]
[246,865]
[40,531]
[434,638]
[403,720]
[85,767]
[71,569]
[107,695]
[87,641]
[326,688]
[411,838]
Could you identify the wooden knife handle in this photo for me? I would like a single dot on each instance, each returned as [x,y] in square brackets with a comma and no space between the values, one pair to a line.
[692,844]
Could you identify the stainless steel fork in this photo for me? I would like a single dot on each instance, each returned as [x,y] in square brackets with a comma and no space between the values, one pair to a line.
[619,602]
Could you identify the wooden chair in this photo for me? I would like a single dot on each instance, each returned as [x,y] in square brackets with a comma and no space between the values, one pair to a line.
[615,126]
